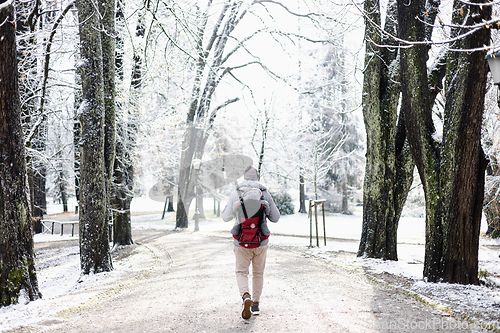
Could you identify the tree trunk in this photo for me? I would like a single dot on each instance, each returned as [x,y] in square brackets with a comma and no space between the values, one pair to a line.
[491,205]
[216,207]
[39,197]
[170,207]
[123,180]
[345,196]
[181,218]
[77,135]
[463,157]
[77,129]
[388,171]
[262,123]
[122,228]
[108,36]
[186,182]
[122,195]
[420,127]
[452,171]
[302,194]
[17,268]
[62,190]
[39,176]
[94,246]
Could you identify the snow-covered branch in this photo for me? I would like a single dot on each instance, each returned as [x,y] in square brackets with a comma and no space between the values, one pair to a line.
[407,43]
[6,4]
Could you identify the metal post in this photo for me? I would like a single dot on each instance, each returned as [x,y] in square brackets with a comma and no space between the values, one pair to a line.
[196,211]
[324,223]
[316,220]
[310,224]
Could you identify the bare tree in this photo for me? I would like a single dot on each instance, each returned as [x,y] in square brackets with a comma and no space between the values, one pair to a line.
[262,123]
[211,58]
[26,25]
[123,182]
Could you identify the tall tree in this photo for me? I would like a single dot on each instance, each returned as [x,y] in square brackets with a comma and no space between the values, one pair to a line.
[451,168]
[389,163]
[17,269]
[389,168]
[108,37]
[123,182]
[51,17]
[94,247]
[27,21]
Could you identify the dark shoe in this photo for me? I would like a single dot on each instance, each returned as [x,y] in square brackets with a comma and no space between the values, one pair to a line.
[247,303]
[255,308]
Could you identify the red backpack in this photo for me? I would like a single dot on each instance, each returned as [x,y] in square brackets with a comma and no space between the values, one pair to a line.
[251,214]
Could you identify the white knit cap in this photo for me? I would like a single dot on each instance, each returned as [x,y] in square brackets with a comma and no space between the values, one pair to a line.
[251,173]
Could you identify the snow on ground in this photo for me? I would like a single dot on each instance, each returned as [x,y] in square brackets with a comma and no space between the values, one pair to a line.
[58,270]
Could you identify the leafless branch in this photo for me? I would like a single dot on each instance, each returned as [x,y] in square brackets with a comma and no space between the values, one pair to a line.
[46,68]
[278,3]
[408,44]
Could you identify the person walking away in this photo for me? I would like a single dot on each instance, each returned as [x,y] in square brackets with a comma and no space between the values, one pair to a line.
[251,204]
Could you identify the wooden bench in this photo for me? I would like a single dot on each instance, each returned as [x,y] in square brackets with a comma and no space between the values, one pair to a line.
[48,225]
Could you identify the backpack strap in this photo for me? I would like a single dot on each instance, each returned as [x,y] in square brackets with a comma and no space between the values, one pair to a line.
[243,207]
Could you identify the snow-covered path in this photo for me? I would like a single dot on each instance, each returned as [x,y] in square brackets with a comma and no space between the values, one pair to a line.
[185,282]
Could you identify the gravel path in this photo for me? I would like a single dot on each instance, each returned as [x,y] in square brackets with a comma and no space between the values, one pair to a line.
[185,282]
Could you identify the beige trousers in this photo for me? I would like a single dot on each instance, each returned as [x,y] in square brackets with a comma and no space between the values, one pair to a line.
[256,256]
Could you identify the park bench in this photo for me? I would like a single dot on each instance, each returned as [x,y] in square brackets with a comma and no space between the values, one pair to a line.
[48,225]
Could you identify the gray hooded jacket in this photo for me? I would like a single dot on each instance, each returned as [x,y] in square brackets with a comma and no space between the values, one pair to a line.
[230,211]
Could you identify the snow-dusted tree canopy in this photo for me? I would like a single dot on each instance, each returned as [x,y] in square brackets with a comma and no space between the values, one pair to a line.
[276,58]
